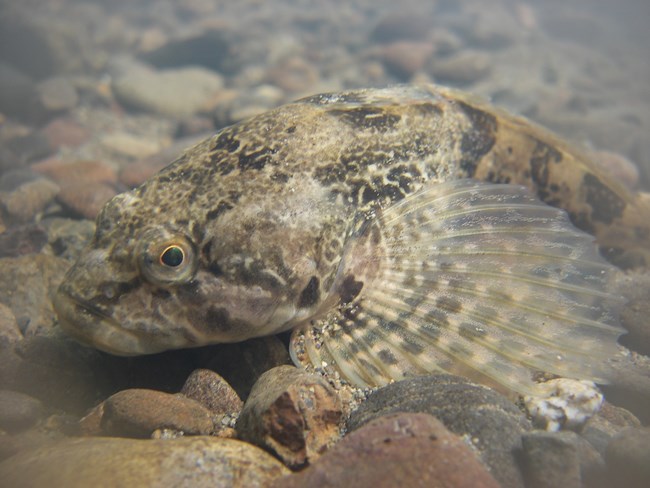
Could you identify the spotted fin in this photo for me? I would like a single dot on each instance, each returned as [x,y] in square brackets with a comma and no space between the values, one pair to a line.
[471,278]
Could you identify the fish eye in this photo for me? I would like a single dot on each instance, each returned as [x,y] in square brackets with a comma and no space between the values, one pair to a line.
[166,258]
[172,256]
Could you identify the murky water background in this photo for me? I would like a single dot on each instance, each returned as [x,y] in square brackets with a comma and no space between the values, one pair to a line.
[95,96]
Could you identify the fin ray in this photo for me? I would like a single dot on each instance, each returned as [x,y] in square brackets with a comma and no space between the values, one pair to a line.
[473,278]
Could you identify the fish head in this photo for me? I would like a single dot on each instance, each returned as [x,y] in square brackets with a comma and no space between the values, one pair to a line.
[156,280]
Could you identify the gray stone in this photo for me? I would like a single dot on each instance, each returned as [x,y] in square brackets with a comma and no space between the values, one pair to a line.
[488,420]
[608,422]
[628,458]
[17,92]
[210,49]
[403,449]
[292,413]
[551,459]
[174,92]
[195,462]
[18,411]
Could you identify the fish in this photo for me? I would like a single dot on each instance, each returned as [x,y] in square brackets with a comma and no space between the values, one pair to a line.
[395,231]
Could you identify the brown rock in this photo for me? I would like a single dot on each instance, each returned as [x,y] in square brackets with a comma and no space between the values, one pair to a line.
[64,132]
[70,172]
[30,198]
[293,413]
[403,449]
[197,462]
[91,423]
[213,392]
[138,412]
[405,58]
[86,199]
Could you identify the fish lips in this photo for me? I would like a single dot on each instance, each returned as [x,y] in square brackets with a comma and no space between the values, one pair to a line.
[91,326]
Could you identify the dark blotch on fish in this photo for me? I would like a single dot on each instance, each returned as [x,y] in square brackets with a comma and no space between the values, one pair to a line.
[606,204]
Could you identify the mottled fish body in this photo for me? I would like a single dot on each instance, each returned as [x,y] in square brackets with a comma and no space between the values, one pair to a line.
[396,230]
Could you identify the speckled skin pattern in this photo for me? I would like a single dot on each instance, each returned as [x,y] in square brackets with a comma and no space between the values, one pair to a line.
[263,210]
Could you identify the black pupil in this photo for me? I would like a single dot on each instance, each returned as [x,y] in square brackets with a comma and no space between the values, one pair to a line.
[173,256]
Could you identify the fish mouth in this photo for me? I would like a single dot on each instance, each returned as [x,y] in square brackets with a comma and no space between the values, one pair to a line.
[91,326]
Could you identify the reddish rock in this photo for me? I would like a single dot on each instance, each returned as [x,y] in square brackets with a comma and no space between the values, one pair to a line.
[293,413]
[213,392]
[138,412]
[86,199]
[64,132]
[404,449]
[70,172]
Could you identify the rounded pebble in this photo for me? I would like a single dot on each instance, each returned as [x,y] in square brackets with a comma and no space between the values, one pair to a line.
[70,172]
[403,449]
[195,462]
[213,392]
[488,420]
[86,199]
[292,413]
[138,412]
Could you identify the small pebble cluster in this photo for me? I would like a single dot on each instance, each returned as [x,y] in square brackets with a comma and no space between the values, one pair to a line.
[95,97]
